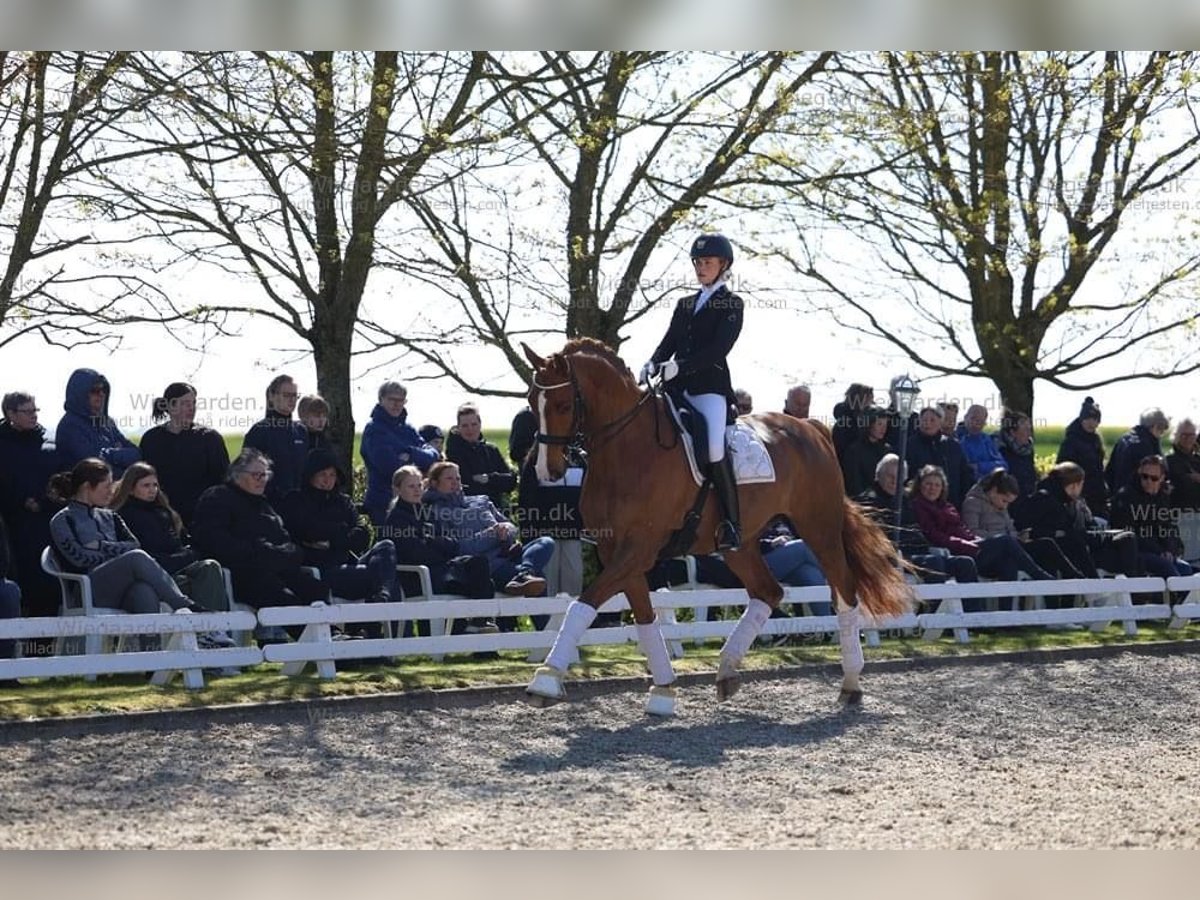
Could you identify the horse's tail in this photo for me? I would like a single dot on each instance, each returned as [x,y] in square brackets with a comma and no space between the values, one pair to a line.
[882,590]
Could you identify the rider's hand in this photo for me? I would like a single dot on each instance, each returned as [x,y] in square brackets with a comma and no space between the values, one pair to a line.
[648,370]
[668,370]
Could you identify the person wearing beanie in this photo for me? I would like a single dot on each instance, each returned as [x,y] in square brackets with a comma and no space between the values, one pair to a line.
[433,436]
[1083,446]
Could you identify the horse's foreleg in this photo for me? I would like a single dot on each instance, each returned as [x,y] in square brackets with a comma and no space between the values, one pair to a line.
[852,654]
[739,641]
[661,699]
[547,683]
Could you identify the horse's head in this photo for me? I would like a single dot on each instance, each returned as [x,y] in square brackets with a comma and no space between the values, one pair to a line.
[555,399]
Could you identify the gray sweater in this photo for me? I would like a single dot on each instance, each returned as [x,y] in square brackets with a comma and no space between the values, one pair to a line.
[86,536]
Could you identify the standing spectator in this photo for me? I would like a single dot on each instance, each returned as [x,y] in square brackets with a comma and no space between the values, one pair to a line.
[1183,464]
[949,411]
[27,460]
[236,525]
[1142,507]
[865,452]
[188,458]
[389,442]
[313,412]
[980,449]
[743,401]
[798,401]
[483,470]
[1015,442]
[10,604]
[929,447]
[280,438]
[86,431]
[1082,445]
[433,436]
[522,436]
[849,416]
[1132,447]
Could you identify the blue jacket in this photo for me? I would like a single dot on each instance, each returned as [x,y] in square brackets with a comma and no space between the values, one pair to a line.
[284,440]
[81,435]
[983,456]
[389,442]
[463,519]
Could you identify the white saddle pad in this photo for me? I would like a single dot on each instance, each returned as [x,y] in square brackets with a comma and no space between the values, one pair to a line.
[751,462]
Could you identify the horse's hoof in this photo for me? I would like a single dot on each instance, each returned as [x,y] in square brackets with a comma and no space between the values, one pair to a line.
[661,701]
[850,698]
[546,688]
[727,687]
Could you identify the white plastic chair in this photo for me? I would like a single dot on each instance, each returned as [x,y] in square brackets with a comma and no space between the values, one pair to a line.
[77,600]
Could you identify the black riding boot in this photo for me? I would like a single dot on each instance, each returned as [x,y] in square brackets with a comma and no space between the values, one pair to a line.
[728,531]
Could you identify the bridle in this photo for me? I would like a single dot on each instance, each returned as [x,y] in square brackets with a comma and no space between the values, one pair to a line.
[575,438]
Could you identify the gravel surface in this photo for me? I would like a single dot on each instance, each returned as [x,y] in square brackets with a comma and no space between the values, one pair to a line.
[1076,753]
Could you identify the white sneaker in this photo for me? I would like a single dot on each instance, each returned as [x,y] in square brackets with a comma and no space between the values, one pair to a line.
[214,640]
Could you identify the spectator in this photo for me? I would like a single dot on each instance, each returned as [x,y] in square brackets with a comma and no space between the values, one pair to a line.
[1132,447]
[483,470]
[236,525]
[86,431]
[10,604]
[280,438]
[929,447]
[188,458]
[1000,557]
[143,506]
[1015,442]
[27,460]
[1142,506]
[389,442]
[551,509]
[743,401]
[483,530]
[313,412]
[522,436]
[1082,445]
[849,416]
[798,401]
[433,436]
[865,452]
[1183,464]
[1057,510]
[949,411]
[321,518]
[89,537]
[985,513]
[980,449]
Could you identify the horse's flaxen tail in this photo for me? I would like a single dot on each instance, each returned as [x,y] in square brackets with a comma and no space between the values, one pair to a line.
[882,590]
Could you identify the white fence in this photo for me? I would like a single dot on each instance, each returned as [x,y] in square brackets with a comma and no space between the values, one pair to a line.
[1107,600]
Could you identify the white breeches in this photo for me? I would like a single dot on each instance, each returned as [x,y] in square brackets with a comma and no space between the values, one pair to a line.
[715,410]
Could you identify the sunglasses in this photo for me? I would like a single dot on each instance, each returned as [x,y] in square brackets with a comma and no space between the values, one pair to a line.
[1146,476]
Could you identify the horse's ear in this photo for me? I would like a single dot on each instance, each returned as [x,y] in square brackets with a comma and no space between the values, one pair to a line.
[534,360]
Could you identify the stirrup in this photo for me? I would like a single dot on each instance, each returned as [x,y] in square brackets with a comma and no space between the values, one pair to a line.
[728,536]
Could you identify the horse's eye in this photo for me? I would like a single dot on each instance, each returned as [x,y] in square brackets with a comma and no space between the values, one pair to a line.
[563,408]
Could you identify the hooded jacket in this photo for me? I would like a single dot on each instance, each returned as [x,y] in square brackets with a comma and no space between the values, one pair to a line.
[314,516]
[81,435]
[389,442]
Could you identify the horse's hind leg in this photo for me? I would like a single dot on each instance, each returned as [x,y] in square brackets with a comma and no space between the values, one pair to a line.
[661,699]
[765,594]
[831,555]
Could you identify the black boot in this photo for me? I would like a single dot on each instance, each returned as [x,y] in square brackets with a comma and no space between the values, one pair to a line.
[728,531]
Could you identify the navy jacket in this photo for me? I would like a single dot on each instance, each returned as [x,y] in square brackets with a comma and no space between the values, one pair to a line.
[314,516]
[945,452]
[1087,451]
[81,435]
[155,531]
[286,442]
[188,464]
[701,342]
[481,458]
[26,463]
[1128,452]
[387,444]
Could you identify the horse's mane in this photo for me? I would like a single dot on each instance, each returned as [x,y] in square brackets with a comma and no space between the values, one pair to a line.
[593,347]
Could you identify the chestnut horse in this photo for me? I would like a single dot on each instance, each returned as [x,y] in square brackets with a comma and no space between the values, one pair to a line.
[638,488]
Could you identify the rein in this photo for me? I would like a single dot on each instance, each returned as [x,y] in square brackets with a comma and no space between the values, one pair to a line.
[605,432]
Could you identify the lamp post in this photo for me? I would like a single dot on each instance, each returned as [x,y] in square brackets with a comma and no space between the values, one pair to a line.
[904,391]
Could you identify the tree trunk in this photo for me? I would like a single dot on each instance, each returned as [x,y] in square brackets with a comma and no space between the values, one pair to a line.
[332,337]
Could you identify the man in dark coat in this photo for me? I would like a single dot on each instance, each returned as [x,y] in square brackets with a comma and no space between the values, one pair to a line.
[1143,440]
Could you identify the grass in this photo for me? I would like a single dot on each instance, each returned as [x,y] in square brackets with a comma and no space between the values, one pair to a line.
[131,693]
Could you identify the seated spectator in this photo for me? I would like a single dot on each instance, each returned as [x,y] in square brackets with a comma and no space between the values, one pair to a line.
[188,458]
[389,442]
[1057,510]
[322,519]
[932,568]
[236,525]
[979,449]
[89,537]
[865,452]
[849,416]
[10,604]
[551,509]
[1144,508]
[743,401]
[143,506]
[1132,447]
[522,435]
[313,412]
[1183,465]
[949,411]
[482,530]
[280,438]
[86,431]
[929,447]
[483,470]
[798,401]
[985,514]
[1000,557]
[27,460]
[1082,445]
[433,436]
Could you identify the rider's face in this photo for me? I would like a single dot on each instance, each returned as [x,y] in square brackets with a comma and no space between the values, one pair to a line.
[707,269]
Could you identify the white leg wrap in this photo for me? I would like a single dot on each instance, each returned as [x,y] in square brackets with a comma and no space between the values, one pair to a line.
[747,629]
[848,637]
[578,619]
[651,641]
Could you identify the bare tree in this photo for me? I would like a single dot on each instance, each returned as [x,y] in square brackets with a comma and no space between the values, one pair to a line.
[986,188]
[618,150]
